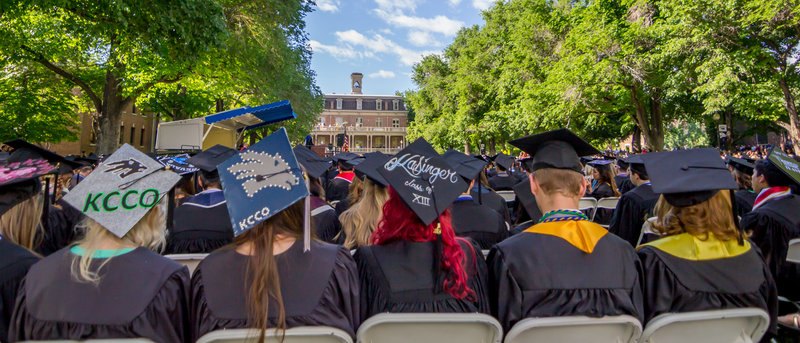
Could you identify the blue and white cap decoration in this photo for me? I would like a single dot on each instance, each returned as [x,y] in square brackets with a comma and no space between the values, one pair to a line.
[261,181]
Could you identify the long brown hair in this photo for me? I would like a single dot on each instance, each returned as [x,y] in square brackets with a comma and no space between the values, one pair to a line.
[262,270]
[743,180]
[355,190]
[607,176]
[711,216]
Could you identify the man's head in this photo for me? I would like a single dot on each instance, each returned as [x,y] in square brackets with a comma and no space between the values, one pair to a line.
[84,171]
[344,166]
[551,183]
[209,179]
[766,175]
[637,173]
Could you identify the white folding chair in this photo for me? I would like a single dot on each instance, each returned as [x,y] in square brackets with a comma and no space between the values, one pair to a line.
[605,203]
[741,325]
[577,329]
[189,260]
[647,228]
[302,334]
[793,255]
[588,204]
[508,196]
[99,340]
[430,327]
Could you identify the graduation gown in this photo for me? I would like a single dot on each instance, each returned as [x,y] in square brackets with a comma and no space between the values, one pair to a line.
[563,267]
[527,208]
[493,200]
[140,294]
[326,221]
[683,273]
[624,184]
[319,287]
[60,228]
[339,188]
[201,224]
[772,225]
[14,264]
[744,201]
[632,210]
[398,277]
[503,181]
[478,222]
[602,190]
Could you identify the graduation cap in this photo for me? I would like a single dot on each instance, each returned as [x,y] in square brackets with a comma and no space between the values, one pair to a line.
[122,190]
[558,149]
[24,150]
[370,166]
[597,163]
[688,177]
[348,158]
[467,167]
[785,163]
[208,160]
[504,161]
[19,181]
[262,181]
[634,159]
[177,164]
[314,164]
[4,156]
[426,182]
[741,165]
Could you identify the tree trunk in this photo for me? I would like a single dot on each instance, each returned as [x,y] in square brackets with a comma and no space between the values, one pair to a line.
[636,142]
[649,119]
[492,150]
[791,110]
[111,115]
[466,147]
[220,105]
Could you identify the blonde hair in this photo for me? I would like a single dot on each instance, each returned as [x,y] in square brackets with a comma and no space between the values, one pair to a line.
[361,219]
[711,216]
[567,182]
[148,233]
[21,223]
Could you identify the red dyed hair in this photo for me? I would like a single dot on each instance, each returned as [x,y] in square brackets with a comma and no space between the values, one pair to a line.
[400,223]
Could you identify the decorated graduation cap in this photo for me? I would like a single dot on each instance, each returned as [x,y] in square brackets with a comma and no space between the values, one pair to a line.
[504,161]
[122,190]
[467,167]
[262,181]
[741,165]
[426,182]
[558,149]
[19,181]
[688,177]
[209,159]
[785,163]
[371,165]
[177,164]
[314,164]
[24,150]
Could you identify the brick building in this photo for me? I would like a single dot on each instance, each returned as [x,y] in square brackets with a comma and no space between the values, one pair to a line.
[137,129]
[372,122]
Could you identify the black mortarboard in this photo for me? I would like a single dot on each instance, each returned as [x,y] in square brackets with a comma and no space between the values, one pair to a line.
[466,166]
[370,166]
[208,160]
[688,177]
[19,181]
[634,159]
[596,163]
[785,163]
[348,158]
[586,159]
[4,156]
[92,159]
[426,183]
[741,165]
[24,150]
[528,200]
[504,161]
[314,164]
[558,149]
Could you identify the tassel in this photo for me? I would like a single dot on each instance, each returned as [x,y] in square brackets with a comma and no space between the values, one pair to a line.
[307,219]
[437,258]
[740,239]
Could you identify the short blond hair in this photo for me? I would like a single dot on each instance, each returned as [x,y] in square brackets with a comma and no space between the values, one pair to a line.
[566,182]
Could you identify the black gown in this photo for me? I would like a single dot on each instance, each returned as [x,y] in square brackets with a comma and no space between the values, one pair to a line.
[339,188]
[503,181]
[326,221]
[772,225]
[14,264]
[319,287]
[632,210]
[744,201]
[398,277]
[493,200]
[201,225]
[527,208]
[602,190]
[60,229]
[675,281]
[141,294]
[539,273]
[624,184]
[478,222]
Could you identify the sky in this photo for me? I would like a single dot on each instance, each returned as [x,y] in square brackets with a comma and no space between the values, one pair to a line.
[382,39]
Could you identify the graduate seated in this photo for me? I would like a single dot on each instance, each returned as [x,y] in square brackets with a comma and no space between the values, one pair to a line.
[416,263]
[635,206]
[483,195]
[361,219]
[742,172]
[110,284]
[503,180]
[622,179]
[325,220]
[703,261]
[565,265]
[339,188]
[273,275]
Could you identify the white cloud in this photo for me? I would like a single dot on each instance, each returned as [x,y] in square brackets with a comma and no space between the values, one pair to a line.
[454,2]
[438,24]
[383,74]
[419,38]
[353,44]
[386,31]
[397,5]
[335,51]
[482,4]
[328,5]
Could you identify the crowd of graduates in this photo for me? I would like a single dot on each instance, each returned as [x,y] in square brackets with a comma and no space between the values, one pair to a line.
[297,239]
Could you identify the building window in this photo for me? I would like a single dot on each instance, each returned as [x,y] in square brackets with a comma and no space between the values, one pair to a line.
[378,105]
[359,122]
[141,138]
[395,122]
[133,133]
[322,121]
[134,109]
[378,122]
[358,104]
[338,104]
[395,104]
[338,121]
[121,134]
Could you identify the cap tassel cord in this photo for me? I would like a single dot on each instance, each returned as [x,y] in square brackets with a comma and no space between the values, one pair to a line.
[307,218]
